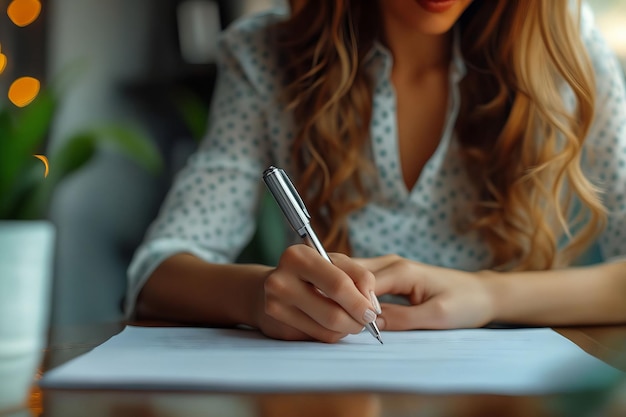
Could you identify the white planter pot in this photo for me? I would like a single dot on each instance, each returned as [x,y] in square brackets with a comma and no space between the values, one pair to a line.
[26,261]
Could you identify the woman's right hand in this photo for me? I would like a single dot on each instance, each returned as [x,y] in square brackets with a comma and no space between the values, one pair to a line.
[305,297]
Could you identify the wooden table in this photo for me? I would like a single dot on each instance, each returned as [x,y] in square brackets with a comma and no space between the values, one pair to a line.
[608,343]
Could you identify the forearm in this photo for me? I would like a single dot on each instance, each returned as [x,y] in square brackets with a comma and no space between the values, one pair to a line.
[575,296]
[186,289]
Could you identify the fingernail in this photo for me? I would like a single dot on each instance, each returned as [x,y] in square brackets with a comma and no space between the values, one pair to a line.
[380,322]
[369,316]
[375,302]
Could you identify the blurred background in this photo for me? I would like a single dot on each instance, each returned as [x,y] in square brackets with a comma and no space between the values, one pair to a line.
[140,69]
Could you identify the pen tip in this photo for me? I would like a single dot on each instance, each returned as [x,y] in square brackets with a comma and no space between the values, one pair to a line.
[380,340]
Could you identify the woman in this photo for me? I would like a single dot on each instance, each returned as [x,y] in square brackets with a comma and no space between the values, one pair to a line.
[461,154]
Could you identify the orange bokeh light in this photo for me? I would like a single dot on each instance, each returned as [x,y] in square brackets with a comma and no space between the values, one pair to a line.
[23,91]
[3,62]
[24,12]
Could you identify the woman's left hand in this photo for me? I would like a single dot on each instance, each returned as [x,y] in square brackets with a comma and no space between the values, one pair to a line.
[439,298]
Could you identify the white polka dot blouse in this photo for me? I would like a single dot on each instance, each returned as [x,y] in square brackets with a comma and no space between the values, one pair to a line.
[210,210]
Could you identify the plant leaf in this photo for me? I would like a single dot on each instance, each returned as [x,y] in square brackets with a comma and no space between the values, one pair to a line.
[6,137]
[33,121]
[25,184]
[26,131]
[72,155]
[129,142]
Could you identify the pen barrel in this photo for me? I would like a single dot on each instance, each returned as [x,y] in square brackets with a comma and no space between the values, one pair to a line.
[286,197]
[310,238]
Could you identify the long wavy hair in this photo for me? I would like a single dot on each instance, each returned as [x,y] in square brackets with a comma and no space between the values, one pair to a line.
[521,144]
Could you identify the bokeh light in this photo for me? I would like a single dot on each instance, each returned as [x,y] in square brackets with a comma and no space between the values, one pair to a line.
[23,91]
[3,61]
[24,12]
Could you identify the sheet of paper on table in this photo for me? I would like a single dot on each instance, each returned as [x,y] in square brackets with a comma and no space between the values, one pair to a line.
[513,361]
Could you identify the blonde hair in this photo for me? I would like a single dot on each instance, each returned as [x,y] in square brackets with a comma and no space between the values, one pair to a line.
[521,144]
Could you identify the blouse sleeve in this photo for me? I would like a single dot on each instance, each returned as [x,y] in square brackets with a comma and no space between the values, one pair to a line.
[606,143]
[210,209]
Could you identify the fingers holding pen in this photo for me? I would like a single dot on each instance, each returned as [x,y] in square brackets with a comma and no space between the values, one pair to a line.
[335,299]
[294,321]
[363,278]
[349,285]
[291,301]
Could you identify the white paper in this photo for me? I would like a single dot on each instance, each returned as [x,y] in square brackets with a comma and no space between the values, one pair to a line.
[514,361]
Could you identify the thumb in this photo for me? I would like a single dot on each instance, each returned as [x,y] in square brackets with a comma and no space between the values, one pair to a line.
[422,316]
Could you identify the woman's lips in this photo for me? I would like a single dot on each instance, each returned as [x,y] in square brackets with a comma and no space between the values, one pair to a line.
[436,6]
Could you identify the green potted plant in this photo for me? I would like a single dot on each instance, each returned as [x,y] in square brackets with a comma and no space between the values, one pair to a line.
[24,191]
[28,179]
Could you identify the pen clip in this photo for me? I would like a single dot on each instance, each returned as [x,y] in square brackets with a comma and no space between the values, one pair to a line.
[287,198]
[294,193]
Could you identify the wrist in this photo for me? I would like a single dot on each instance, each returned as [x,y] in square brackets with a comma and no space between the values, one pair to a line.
[495,288]
[254,301]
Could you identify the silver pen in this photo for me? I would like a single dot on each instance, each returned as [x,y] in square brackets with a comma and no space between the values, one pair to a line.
[293,208]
